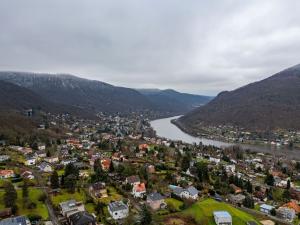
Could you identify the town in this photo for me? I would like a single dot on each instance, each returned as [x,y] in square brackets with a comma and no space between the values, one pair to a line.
[115,170]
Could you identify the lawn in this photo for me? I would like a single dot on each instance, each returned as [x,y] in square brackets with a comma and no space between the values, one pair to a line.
[34,194]
[202,212]
[113,195]
[66,196]
[174,203]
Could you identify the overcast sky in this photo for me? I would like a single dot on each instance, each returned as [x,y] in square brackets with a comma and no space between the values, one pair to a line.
[194,46]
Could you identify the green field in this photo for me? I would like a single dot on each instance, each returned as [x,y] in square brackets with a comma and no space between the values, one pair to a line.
[64,195]
[202,212]
[34,194]
[174,203]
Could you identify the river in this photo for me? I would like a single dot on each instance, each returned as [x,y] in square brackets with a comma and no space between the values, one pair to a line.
[164,128]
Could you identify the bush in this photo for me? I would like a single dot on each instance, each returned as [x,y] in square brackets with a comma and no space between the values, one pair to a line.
[34,217]
[42,197]
[30,205]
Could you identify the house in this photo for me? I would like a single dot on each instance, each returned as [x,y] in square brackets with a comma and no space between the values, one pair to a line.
[70,207]
[286,213]
[105,164]
[118,210]
[82,218]
[230,168]
[236,190]
[155,201]
[18,220]
[27,175]
[4,174]
[51,159]
[266,208]
[188,193]
[237,199]
[133,180]
[150,169]
[139,190]
[4,158]
[30,161]
[98,190]
[222,218]
[41,154]
[293,205]
[41,146]
[45,167]
[143,147]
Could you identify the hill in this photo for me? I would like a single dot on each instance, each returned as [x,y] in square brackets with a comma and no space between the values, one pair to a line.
[88,95]
[270,104]
[174,102]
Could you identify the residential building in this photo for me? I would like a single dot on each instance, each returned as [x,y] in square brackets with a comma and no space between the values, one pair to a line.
[139,190]
[266,208]
[286,213]
[70,207]
[118,210]
[18,220]
[156,201]
[45,167]
[4,174]
[222,218]
[98,190]
[133,180]
[82,218]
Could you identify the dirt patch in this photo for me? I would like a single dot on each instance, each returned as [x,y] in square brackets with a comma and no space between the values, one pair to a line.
[176,220]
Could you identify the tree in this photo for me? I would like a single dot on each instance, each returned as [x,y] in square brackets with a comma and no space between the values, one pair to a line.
[185,164]
[111,167]
[286,195]
[70,183]
[54,180]
[71,169]
[288,185]
[248,202]
[10,195]
[273,212]
[269,180]
[146,216]
[249,186]
[202,171]
[25,189]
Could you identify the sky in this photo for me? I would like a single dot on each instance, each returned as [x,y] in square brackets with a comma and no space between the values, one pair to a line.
[193,46]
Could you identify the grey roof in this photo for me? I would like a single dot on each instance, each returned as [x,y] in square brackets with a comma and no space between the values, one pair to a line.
[177,190]
[117,206]
[65,206]
[82,218]
[155,196]
[192,190]
[19,220]
[133,179]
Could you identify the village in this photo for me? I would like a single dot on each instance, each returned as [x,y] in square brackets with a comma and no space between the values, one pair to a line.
[115,170]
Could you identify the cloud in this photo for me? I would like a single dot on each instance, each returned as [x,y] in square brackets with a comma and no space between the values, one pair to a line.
[193,46]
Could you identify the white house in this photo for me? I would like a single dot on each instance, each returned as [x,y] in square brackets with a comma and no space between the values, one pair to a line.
[139,190]
[188,193]
[266,208]
[30,161]
[45,167]
[118,210]
[222,218]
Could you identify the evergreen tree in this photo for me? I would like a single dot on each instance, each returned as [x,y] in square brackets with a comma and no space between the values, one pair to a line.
[10,195]
[269,180]
[54,180]
[146,216]
[25,189]
[288,185]
[70,183]
[185,164]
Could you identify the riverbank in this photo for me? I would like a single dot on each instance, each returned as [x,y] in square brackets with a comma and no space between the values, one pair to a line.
[167,128]
[181,126]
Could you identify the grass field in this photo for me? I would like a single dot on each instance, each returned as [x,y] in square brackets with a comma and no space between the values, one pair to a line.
[174,203]
[66,196]
[202,212]
[34,194]
[113,195]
